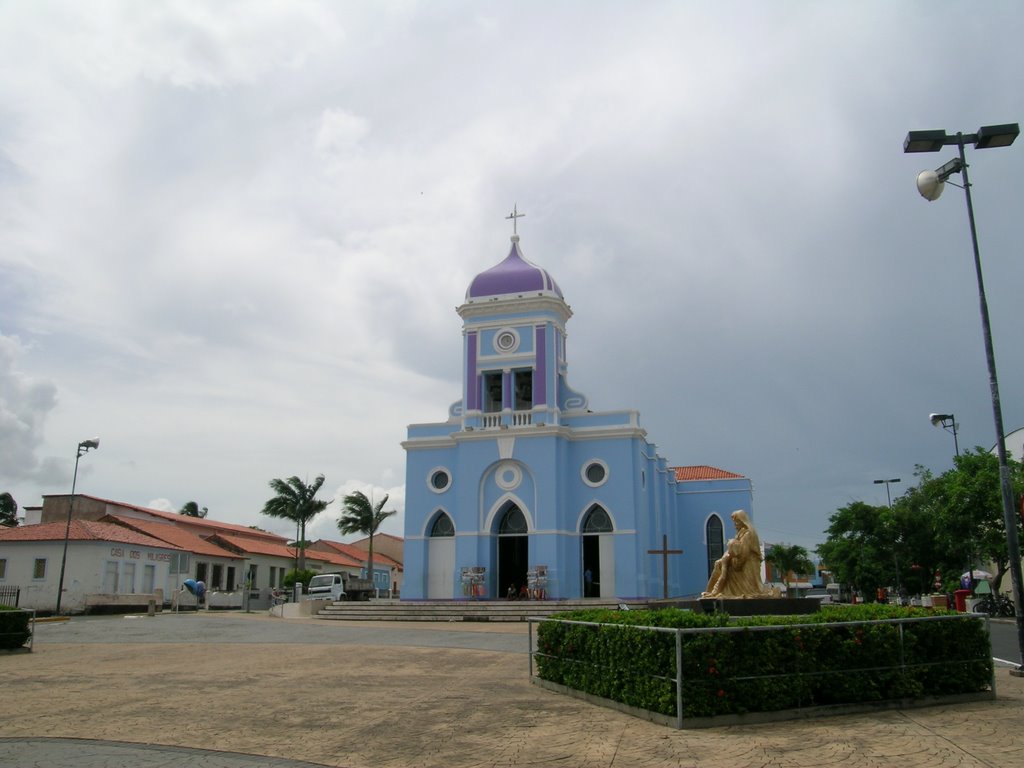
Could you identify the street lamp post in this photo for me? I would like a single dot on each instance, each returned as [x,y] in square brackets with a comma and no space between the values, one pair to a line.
[896,538]
[948,422]
[888,496]
[930,184]
[83,447]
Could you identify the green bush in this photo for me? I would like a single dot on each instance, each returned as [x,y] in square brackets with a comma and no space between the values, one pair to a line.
[294,575]
[14,631]
[757,670]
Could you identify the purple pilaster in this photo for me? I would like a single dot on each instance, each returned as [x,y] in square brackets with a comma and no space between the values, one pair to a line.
[506,390]
[472,380]
[540,372]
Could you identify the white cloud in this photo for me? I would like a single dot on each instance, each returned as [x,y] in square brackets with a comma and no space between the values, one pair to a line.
[233,235]
[25,404]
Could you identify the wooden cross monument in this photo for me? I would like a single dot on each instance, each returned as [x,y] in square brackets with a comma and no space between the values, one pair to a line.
[664,552]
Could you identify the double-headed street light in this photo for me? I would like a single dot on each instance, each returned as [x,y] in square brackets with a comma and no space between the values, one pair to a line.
[83,447]
[930,185]
[897,538]
[948,422]
[887,494]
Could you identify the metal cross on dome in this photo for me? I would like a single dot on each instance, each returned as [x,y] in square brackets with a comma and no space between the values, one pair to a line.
[515,215]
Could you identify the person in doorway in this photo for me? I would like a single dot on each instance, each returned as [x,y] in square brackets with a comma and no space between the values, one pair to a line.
[511,594]
[588,583]
[524,592]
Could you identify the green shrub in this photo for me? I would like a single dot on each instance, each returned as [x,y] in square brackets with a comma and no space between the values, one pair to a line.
[14,631]
[757,670]
[295,575]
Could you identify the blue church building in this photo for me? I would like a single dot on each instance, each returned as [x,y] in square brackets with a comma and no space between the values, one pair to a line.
[524,484]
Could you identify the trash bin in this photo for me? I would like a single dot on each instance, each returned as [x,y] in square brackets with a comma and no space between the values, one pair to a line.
[960,599]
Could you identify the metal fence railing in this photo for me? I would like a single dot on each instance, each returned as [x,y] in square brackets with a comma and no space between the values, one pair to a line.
[678,682]
[9,595]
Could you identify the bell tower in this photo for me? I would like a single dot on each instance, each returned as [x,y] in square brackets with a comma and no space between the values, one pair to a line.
[514,361]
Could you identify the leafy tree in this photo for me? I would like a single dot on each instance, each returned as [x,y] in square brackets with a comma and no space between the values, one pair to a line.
[296,501]
[789,558]
[293,576]
[918,552]
[944,524]
[859,546]
[969,523]
[8,510]
[360,516]
[191,509]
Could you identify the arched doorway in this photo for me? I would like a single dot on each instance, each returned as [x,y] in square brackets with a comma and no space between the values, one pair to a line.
[598,553]
[441,558]
[513,550]
[715,541]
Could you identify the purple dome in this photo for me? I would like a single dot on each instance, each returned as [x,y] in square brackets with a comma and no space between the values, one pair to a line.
[514,275]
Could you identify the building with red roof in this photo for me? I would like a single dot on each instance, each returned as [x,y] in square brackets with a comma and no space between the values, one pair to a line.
[107,565]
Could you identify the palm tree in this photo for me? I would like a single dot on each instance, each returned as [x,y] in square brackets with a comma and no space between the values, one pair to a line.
[359,515]
[8,510]
[297,502]
[789,558]
[191,509]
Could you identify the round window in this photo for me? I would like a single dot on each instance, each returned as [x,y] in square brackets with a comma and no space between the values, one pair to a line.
[506,340]
[508,476]
[595,473]
[440,480]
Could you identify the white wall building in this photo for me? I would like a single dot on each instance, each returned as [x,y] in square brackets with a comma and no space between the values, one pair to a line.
[107,565]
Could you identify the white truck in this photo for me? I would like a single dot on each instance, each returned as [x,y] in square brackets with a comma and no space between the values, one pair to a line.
[327,586]
[339,586]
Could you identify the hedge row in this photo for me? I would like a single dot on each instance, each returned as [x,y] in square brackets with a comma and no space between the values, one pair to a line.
[14,631]
[835,662]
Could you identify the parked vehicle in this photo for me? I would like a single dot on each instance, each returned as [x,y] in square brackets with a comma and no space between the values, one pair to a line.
[339,586]
[995,605]
[820,594]
[327,586]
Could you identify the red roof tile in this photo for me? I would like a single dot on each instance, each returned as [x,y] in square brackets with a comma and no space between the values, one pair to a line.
[333,558]
[82,530]
[172,534]
[256,546]
[357,553]
[703,472]
[212,526]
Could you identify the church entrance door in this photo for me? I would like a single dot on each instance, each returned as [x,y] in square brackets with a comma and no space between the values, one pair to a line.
[598,554]
[513,551]
[441,559]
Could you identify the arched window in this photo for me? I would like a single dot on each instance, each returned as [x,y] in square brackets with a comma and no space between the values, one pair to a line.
[597,521]
[513,523]
[716,541]
[443,526]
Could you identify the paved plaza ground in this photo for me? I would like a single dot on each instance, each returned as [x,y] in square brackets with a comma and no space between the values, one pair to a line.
[234,690]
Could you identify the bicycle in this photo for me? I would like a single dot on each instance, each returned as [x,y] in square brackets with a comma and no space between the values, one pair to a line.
[995,606]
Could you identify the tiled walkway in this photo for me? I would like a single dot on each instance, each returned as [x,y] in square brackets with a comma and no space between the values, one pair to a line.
[230,691]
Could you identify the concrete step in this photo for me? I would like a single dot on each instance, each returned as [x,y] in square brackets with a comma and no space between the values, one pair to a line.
[460,610]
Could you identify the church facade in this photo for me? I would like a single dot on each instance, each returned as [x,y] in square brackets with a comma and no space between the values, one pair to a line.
[525,486]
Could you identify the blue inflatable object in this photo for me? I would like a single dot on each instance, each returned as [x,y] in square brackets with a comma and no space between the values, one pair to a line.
[197,588]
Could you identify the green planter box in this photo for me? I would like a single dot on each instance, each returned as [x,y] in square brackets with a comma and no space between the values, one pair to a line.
[686,667]
[15,628]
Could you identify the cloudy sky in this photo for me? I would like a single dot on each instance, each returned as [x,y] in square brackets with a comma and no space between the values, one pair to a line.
[233,235]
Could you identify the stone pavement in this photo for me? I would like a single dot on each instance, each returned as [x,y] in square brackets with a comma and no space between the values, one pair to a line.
[230,690]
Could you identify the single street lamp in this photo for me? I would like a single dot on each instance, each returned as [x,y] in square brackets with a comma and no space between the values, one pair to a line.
[83,447]
[930,184]
[948,422]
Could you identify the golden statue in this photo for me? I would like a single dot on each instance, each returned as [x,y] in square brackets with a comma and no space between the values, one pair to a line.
[737,573]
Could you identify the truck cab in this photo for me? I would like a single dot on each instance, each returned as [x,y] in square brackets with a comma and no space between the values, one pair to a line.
[327,586]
